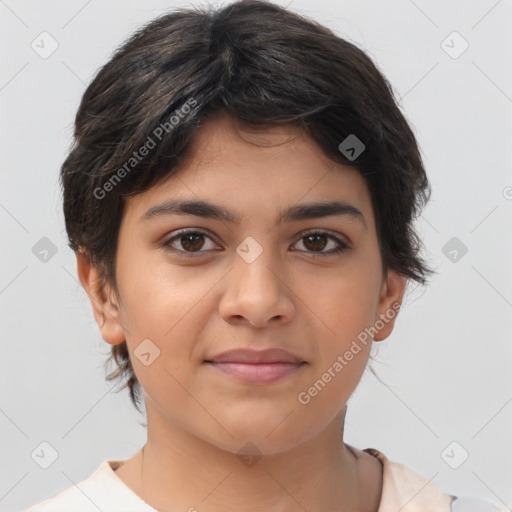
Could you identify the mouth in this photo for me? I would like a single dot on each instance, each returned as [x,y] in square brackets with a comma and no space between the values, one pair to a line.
[256,366]
[257,373]
[251,356]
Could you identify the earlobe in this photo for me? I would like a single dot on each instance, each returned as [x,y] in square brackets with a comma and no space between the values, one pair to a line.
[389,304]
[104,306]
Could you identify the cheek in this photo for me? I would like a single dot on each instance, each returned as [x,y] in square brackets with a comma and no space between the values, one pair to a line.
[342,310]
[155,309]
[165,305]
[343,348]
[156,295]
[343,303]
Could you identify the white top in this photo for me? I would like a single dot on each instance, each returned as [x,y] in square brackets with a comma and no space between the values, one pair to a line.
[402,489]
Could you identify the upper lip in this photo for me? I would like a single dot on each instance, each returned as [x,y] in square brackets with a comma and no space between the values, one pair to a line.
[250,356]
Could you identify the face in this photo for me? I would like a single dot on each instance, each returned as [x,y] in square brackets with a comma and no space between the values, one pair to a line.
[310,283]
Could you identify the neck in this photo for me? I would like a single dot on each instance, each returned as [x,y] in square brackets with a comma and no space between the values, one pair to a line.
[178,471]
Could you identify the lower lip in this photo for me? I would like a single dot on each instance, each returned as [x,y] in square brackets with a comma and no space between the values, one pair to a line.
[258,373]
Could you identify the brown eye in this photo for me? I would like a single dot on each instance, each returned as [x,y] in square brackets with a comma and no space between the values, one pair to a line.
[192,242]
[316,242]
[189,242]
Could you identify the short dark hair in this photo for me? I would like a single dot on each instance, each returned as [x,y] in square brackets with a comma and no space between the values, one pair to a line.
[264,66]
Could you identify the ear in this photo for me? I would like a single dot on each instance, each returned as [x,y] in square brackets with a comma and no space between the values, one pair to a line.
[390,301]
[104,305]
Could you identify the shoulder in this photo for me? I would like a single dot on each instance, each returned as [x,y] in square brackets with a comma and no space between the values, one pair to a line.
[404,489]
[77,496]
[102,490]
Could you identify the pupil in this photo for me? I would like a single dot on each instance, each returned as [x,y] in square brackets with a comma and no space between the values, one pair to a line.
[316,238]
[194,238]
[312,242]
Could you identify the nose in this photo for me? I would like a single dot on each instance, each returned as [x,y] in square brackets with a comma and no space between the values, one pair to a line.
[258,292]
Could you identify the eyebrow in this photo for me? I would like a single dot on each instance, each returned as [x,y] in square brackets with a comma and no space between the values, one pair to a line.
[295,212]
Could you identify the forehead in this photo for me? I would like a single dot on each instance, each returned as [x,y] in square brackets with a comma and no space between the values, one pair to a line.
[255,169]
[222,140]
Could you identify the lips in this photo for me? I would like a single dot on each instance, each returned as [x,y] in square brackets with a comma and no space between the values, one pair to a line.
[257,366]
[248,356]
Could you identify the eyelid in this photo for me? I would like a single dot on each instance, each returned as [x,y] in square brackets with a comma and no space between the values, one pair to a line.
[323,231]
[342,242]
[182,232]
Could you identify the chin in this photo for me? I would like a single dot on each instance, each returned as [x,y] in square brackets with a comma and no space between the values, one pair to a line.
[261,438]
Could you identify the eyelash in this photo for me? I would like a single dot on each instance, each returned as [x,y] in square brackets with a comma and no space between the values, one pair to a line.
[341,246]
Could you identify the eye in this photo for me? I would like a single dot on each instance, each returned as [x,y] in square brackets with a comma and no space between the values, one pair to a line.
[191,241]
[316,241]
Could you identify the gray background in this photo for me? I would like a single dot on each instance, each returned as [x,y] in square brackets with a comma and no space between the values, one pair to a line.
[445,371]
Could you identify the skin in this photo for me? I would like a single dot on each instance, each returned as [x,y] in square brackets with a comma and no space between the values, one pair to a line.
[289,297]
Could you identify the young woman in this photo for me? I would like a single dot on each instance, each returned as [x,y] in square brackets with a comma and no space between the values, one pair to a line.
[240,197]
